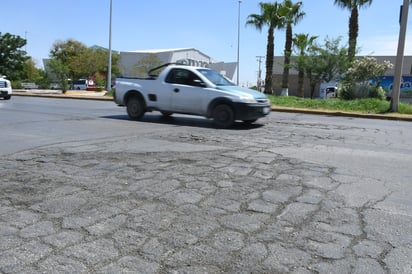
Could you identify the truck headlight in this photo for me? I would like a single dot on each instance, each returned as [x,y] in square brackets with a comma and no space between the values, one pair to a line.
[248,99]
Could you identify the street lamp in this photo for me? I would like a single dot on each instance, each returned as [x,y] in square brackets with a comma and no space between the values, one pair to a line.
[109,66]
[238,40]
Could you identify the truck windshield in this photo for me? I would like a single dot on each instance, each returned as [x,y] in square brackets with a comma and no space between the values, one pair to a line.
[215,78]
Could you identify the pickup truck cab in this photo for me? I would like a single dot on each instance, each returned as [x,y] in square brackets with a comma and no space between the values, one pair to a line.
[5,88]
[190,90]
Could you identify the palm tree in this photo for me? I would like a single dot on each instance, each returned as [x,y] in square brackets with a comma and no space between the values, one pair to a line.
[291,14]
[353,6]
[302,43]
[269,17]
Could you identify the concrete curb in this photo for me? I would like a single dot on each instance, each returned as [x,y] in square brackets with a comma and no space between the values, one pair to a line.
[389,116]
[67,95]
[101,97]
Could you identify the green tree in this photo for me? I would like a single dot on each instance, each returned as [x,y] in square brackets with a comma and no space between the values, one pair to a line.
[31,73]
[75,60]
[68,54]
[270,17]
[60,71]
[35,75]
[353,6]
[302,43]
[367,68]
[93,62]
[146,63]
[325,62]
[12,56]
[357,83]
[292,14]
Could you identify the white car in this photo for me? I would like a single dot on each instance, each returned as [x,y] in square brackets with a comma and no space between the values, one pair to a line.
[5,88]
[331,92]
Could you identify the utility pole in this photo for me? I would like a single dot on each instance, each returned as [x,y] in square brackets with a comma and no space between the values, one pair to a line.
[109,65]
[399,57]
[259,80]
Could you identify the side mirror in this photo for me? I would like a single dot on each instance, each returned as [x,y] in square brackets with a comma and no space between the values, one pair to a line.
[199,83]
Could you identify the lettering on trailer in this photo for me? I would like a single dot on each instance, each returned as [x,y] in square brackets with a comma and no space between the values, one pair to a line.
[192,62]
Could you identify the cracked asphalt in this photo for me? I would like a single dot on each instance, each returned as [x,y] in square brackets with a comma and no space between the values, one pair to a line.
[285,197]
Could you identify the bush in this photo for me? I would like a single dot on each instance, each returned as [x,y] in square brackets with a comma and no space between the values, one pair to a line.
[358,77]
[378,92]
[351,91]
[16,84]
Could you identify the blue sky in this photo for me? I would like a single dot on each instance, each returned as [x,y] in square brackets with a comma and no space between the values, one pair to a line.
[210,26]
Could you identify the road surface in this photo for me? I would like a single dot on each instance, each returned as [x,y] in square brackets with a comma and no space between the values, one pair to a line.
[85,190]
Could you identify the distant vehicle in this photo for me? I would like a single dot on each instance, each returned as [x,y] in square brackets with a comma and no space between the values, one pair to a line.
[190,90]
[29,85]
[5,88]
[84,84]
[54,85]
[331,92]
[80,84]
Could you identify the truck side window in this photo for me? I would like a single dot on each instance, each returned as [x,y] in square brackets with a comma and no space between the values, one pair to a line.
[182,77]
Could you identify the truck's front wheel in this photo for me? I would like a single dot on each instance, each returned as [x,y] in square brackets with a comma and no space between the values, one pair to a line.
[135,108]
[223,116]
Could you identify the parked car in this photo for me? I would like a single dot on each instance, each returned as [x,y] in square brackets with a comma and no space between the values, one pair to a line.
[80,84]
[331,92]
[29,85]
[5,88]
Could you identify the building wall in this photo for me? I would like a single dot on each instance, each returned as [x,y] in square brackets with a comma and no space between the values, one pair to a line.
[293,85]
[187,56]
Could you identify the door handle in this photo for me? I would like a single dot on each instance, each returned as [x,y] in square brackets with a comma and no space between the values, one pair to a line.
[176,90]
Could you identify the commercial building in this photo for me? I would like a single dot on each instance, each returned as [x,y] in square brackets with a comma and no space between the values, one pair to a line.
[129,60]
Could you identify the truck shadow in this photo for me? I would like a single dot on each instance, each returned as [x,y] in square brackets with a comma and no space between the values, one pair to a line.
[184,120]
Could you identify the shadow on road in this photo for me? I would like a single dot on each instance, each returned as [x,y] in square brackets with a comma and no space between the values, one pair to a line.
[178,120]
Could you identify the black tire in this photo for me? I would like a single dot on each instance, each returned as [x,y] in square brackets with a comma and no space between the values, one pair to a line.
[7,97]
[135,108]
[223,116]
[249,121]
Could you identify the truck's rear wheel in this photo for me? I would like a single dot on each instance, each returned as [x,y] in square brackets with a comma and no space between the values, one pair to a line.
[135,108]
[223,116]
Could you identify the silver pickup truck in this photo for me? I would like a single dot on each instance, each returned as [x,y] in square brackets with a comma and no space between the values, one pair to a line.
[190,90]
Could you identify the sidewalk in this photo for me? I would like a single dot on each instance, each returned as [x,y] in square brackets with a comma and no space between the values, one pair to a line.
[100,95]
[70,94]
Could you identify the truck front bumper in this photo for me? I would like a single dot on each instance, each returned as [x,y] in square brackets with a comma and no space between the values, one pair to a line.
[5,92]
[247,112]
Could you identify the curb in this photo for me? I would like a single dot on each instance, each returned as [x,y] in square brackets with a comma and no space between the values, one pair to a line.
[88,96]
[67,95]
[389,116]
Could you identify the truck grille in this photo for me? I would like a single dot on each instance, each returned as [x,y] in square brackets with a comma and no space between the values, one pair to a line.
[262,101]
